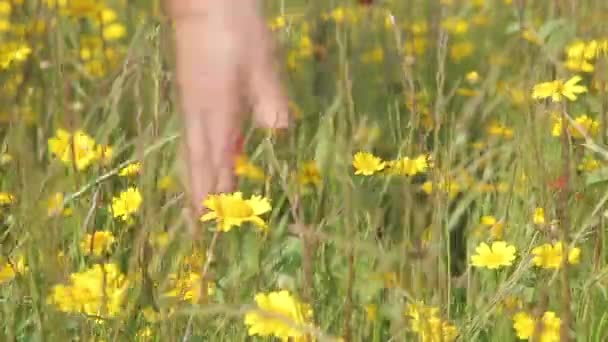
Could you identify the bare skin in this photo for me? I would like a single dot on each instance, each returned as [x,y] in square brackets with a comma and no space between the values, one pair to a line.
[225,62]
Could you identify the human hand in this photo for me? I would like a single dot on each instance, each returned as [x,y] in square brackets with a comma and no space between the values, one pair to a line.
[224,55]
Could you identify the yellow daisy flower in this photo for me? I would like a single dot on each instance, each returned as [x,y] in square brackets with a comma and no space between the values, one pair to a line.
[539,216]
[367,164]
[558,89]
[231,210]
[278,314]
[500,254]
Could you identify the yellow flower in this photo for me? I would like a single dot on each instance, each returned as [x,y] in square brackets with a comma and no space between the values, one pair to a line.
[577,65]
[425,321]
[5,8]
[367,164]
[130,170]
[150,315]
[82,8]
[97,291]
[409,167]
[5,159]
[451,187]
[126,204]
[550,256]
[500,130]
[415,46]
[539,216]
[55,206]
[585,123]
[188,287]
[309,174]
[500,254]
[374,56]
[13,52]
[167,184]
[575,50]
[8,270]
[145,334]
[244,168]
[472,77]
[101,243]
[371,312]
[6,198]
[279,314]
[277,23]
[496,227]
[461,50]
[390,280]
[108,15]
[338,15]
[588,164]
[558,89]
[231,210]
[114,31]
[467,92]
[160,240]
[78,146]
[525,326]
[531,36]
[455,26]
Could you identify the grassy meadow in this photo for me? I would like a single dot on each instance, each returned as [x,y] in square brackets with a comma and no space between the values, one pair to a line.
[444,178]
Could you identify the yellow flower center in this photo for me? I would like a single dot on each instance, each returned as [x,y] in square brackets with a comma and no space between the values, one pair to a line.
[233,207]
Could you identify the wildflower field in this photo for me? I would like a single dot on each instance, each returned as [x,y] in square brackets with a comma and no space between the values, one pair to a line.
[444,178]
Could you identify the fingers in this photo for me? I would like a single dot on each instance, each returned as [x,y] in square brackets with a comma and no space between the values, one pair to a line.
[207,56]
[264,88]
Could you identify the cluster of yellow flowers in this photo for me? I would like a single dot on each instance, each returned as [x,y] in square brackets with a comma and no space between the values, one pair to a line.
[550,256]
[584,125]
[526,326]
[78,149]
[581,55]
[97,243]
[97,52]
[126,204]
[425,321]
[367,164]
[501,254]
[187,287]
[98,291]
[10,268]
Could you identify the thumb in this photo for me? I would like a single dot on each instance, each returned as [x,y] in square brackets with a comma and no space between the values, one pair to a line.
[265,91]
